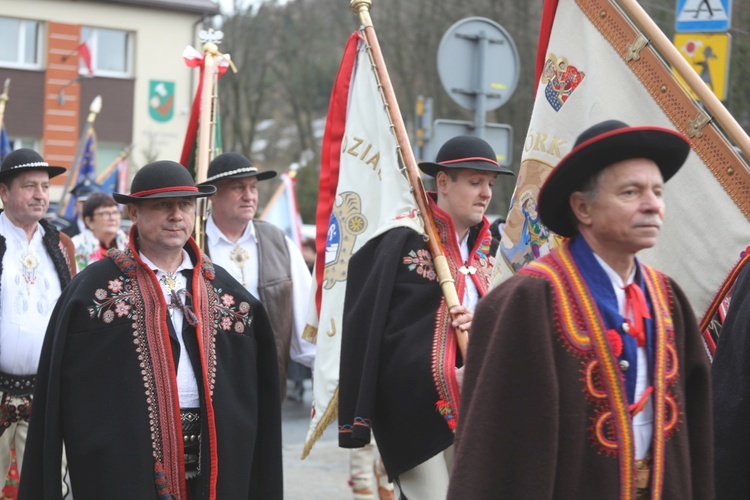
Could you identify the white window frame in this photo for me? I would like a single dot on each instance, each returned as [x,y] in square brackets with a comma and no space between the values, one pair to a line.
[21,56]
[92,42]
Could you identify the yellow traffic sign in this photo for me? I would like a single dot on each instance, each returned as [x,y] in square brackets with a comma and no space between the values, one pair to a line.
[708,53]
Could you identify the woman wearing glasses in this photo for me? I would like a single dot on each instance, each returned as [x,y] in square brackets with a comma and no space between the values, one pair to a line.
[102,217]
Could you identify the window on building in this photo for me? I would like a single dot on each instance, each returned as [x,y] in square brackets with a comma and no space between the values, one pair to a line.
[111,52]
[20,43]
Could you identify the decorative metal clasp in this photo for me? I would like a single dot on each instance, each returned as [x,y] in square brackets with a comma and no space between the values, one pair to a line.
[633,50]
[695,125]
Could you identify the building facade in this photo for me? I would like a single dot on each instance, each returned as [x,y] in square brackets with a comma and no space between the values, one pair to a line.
[60,54]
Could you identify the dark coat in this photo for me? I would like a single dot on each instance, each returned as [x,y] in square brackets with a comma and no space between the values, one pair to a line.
[731,396]
[398,353]
[104,380]
[533,396]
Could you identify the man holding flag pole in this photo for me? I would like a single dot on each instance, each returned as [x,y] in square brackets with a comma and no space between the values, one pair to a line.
[367,180]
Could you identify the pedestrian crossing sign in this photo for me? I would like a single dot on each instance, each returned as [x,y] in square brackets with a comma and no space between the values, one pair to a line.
[708,54]
[703,15]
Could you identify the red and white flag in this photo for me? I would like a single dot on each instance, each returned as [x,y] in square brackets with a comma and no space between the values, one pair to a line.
[363,193]
[590,68]
[281,210]
[85,54]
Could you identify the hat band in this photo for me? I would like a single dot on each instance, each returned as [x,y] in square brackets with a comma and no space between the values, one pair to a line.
[231,172]
[32,164]
[470,158]
[141,194]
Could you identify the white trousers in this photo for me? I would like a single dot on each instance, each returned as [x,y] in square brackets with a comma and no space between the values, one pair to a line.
[15,435]
[428,480]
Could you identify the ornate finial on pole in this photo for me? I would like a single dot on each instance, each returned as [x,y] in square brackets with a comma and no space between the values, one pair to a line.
[362,9]
[95,108]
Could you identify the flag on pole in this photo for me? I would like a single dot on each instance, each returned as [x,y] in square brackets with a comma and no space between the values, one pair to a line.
[194,59]
[85,54]
[363,193]
[84,170]
[4,143]
[281,210]
[116,181]
[593,65]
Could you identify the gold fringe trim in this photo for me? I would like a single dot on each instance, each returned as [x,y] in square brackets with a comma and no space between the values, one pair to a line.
[330,416]
[310,333]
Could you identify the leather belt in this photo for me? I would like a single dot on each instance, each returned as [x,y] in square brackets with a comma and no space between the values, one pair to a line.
[191,435]
[642,478]
[17,384]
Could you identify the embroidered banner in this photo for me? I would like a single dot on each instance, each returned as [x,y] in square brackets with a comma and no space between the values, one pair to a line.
[363,193]
[594,65]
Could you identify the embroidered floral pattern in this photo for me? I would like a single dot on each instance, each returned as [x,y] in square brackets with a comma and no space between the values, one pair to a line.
[228,317]
[119,301]
[421,262]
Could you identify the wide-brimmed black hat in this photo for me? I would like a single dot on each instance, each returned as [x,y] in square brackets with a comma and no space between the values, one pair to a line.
[163,179]
[22,160]
[464,151]
[233,166]
[598,147]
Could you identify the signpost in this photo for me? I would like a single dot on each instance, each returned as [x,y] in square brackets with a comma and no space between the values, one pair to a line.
[703,15]
[478,65]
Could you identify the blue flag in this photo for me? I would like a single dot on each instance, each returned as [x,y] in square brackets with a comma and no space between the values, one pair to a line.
[4,144]
[86,170]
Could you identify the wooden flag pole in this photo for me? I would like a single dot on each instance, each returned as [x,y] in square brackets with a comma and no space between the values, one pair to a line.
[672,56]
[3,100]
[447,284]
[70,182]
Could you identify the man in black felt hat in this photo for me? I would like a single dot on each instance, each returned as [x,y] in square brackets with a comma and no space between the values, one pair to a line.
[259,255]
[158,369]
[81,193]
[586,375]
[36,263]
[398,373]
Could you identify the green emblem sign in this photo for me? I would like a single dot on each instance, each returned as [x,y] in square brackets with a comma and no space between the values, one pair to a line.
[161,100]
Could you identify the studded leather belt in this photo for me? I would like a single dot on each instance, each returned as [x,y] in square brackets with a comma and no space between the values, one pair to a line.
[191,434]
[17,384]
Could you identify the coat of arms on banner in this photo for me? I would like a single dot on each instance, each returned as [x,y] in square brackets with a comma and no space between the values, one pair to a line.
[561,79]
[161,100]
[347,221]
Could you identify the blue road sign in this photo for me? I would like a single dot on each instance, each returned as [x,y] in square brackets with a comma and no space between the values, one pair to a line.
[703,15]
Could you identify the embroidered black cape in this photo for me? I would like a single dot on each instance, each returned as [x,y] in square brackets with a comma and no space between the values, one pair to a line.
[544,407]
[106,386]
[398,353]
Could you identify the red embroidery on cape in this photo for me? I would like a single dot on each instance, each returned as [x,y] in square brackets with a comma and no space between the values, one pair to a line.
[582,332]
[421,262]
[444,348]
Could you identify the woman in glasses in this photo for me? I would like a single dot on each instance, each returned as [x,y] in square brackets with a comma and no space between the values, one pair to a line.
[102,217]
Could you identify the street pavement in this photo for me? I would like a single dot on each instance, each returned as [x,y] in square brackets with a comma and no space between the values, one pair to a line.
[324,473]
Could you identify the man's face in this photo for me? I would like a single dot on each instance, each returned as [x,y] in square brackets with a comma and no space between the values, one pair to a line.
[26,198]
[466,199]
[235,201]
[164,225]
[627,209]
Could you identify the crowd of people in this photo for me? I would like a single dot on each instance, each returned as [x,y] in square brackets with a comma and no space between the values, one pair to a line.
[156,368]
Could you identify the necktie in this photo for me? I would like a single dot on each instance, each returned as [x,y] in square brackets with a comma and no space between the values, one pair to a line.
[636,310]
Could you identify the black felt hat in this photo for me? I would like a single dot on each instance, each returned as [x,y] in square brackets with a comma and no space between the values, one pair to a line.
[595,149]
[22,160]
[163,179]
[233,166]
[84,189]
[464,151]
